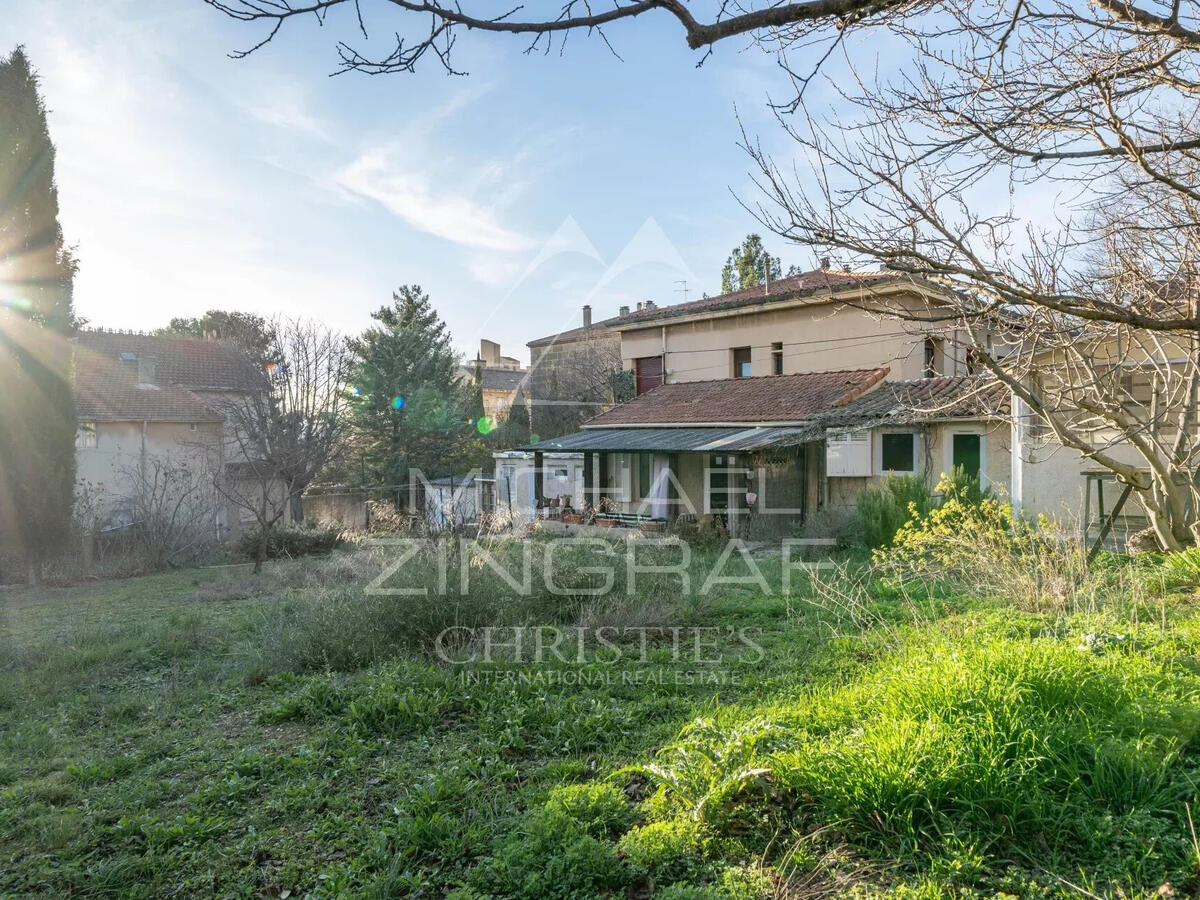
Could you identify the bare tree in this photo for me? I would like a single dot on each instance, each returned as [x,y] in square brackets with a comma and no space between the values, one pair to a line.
[278,439]
[430,27]
[1007,113]
[307,373]
[174,508]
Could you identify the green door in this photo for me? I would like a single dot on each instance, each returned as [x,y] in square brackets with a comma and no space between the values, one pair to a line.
[967,452]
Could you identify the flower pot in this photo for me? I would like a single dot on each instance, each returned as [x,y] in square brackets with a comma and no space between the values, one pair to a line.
[572,518]
[651,527]
[606,523]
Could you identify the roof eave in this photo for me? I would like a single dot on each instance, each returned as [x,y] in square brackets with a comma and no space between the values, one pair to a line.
[812,297]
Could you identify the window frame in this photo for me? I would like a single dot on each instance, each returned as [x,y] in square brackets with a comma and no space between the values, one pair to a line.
[748,362]
[86,436]
[777,358]
[912,436]
[977,432]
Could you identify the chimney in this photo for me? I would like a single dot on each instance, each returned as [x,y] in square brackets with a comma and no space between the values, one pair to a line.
[587,316]
[145,365]
[766,273]
[624,311]
[825,263]
[650,304]
[489,352]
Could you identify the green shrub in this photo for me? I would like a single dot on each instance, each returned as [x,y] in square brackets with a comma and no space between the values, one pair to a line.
[600,810]
[683,891]
[884,507]
[673,850]
[291,541]
[550,860]
[972,541]
[660,843]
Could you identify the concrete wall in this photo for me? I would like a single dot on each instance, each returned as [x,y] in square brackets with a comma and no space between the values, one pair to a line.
[347,510]
[815,338]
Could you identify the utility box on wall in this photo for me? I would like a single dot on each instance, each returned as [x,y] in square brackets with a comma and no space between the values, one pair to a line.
[848,454]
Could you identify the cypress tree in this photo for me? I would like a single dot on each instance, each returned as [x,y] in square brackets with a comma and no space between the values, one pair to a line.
[37,410]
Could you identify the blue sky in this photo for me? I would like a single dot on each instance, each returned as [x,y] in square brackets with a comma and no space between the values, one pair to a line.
[193,181]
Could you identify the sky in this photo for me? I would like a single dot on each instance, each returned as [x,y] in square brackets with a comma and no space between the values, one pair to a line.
[513,195]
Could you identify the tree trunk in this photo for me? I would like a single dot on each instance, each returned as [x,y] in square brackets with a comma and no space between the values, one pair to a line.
[297,508]
[33,565]
[260,552]
[1168,506]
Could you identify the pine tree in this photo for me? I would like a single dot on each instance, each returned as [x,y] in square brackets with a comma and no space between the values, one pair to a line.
[744,267]
[411,410]
[37,410]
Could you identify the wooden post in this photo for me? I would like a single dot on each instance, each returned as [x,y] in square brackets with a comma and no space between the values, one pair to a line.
[589,481]
[1107,525]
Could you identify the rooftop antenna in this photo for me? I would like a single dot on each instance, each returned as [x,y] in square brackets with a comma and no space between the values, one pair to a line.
[682,290]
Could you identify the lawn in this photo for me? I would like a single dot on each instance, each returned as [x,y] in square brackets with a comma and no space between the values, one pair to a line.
[208,733]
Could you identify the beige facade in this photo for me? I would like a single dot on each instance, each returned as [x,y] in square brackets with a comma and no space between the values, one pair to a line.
[804,335]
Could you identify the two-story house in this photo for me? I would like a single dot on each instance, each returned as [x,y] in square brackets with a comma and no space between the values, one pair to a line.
[155,402]
[787,397]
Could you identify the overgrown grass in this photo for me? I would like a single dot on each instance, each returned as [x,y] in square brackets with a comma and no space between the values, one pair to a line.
[210,733]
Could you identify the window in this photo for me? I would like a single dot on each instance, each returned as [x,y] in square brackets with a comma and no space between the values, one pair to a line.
[933,357]
[643,475]
[897,452]
[85,437]
[560,474]
[966,453]
[777,358]
[648,373]
[741,362]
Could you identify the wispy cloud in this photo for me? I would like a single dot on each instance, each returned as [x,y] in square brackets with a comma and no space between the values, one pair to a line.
[425,198]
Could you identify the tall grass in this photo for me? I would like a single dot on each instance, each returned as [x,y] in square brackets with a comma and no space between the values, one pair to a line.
[1025,749]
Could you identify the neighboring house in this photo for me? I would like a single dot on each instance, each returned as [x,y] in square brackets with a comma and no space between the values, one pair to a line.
[571,374]
[500,379]
[812,322]
[150,405]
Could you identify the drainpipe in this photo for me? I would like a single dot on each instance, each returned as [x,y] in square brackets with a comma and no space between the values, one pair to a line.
[664,354]
[1017,453]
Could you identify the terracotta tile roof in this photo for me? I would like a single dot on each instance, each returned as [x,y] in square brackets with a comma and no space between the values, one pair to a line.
[108,389]
[771,398]
[926,400]
[812,283]
[573,334]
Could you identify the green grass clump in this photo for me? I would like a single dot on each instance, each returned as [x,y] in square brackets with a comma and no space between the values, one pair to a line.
[1027,749]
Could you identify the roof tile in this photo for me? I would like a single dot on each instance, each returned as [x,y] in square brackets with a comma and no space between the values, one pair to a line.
[771,398]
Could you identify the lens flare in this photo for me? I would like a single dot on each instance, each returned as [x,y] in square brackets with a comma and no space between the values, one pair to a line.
[485,425]
[397,402]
